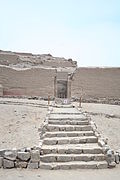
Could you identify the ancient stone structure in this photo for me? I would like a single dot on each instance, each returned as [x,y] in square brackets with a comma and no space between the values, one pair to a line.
[26,74]
[62,85]
[68,140]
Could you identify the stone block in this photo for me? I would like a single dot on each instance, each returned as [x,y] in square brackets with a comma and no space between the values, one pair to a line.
[2,151]
[46,166]
[102,166]
[10,155]
[112,165]
[76,141]
[61,151]
[70,128]
[63,141]
[35,156]
[48,159]
[64,158]
[8,163]
[1,161]
[45,151]
[33,165]
[21,164]
[101,143]
[117,158]
[24,156]
[92,140]
[49,142]
[82,158]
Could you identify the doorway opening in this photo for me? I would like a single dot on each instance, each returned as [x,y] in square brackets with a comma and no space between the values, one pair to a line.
[61,89]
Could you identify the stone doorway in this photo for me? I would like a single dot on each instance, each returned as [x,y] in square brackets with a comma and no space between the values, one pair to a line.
[62,89]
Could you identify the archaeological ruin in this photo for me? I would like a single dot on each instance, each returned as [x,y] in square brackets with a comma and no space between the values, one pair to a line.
[68,137]
[26,74]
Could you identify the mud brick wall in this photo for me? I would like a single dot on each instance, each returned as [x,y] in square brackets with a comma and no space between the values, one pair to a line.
[96,82]
[30,82]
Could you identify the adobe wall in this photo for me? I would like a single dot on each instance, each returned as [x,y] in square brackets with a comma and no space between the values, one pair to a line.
[96,82]
[30,82]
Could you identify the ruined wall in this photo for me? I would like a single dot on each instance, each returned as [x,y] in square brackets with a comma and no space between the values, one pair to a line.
[96,82]
[91,82]
[30,82]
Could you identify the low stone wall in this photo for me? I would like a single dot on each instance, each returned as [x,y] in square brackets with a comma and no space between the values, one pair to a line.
[24,158]
[113,101]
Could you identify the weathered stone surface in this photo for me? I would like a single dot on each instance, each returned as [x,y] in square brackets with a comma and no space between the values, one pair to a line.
[35,156]
[110,157]
[21,164]
[117,158]
[112,165]
[101,142]
[64,159]
[48,158]
[33,165]
[24,156]
[74,165]
[2,151]
[10,155]
[8,163]
[103,165]
[1,161]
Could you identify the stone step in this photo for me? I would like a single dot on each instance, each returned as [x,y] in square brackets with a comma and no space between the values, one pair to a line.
[67,117]
[52,127]
[89,148]
[70,140]
[72,122]
[68,134]
[65,111]
[74,165]
[72,157]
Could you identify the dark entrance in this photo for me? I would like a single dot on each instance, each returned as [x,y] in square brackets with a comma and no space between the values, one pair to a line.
[61,89]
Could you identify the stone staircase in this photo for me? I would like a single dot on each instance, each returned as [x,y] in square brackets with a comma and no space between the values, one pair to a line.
[69,142]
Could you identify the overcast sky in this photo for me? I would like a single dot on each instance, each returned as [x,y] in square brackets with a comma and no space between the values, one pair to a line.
[87,31]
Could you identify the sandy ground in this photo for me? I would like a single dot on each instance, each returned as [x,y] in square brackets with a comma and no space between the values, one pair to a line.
[19,122]
[17,174]
[108,127]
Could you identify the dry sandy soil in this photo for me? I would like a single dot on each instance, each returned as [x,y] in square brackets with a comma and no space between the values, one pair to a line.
[109,127]
[19,122]
[17,174]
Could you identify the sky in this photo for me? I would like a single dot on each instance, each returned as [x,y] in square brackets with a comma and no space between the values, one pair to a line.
[88,31]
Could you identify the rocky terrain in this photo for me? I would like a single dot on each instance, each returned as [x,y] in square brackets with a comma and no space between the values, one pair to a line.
[19,61]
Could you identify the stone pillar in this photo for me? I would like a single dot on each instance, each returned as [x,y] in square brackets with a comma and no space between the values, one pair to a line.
[69,88]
